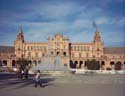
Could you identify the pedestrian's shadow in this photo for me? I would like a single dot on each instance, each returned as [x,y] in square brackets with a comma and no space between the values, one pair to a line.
[16,84]
[11,83]
[45,82]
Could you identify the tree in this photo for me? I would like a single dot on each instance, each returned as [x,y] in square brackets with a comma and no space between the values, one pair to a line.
[118,65]
[92,64]
[22,63]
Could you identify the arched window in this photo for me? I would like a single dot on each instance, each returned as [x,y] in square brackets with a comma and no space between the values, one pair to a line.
[51,52]
[78,48]
[13,63]
[81,62]
[64,53]
[32,48]
[98,49]
[39,61]
[74,48]
[81,48]
[112,63]
[84,48]
[27,47]
[35,62]
[87,48]
[75,64]
[102,62]
[30,62]
[29,54]
[57,53]
[118,65]
[4,62]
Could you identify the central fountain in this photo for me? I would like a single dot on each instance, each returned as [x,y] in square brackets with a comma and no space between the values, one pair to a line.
[51,65]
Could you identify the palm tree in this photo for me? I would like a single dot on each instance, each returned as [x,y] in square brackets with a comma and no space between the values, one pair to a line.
[118,65]
[92,64]
[22,63]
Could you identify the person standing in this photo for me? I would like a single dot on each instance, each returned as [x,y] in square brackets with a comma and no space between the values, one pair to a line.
[19,74]
[22,74]
[26,73]
[37,79]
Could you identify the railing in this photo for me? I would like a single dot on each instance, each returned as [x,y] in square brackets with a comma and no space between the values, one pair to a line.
[83,71]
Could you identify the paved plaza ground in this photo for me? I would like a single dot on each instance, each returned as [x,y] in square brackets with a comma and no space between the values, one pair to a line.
[74,85]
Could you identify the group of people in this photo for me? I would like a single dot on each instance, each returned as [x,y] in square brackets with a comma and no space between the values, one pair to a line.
[23,74]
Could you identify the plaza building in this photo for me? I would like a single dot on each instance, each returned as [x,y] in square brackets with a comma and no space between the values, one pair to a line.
[72,54]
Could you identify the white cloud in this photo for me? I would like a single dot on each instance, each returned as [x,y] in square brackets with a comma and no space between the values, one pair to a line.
[90,12]
[101,20]
[40,31]
[56,11]
[106,20]
[122,20]
[82,23]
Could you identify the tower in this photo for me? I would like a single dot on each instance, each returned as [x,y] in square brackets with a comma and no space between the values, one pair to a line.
[98,44]
[97,37]
[19,44]
[20,36]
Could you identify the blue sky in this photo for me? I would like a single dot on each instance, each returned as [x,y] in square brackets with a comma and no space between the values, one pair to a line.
[72,18]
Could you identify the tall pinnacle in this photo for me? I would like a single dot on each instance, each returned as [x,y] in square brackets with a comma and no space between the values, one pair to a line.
[20,34]
[20,29]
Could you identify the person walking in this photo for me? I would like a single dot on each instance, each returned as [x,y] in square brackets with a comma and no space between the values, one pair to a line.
[37,79]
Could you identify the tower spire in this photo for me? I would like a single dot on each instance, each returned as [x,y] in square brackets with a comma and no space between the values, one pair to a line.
[20,29]
[97,37]
[20,35]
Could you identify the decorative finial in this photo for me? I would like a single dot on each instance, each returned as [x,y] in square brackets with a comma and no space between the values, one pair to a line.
[95,25]
[20,29]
